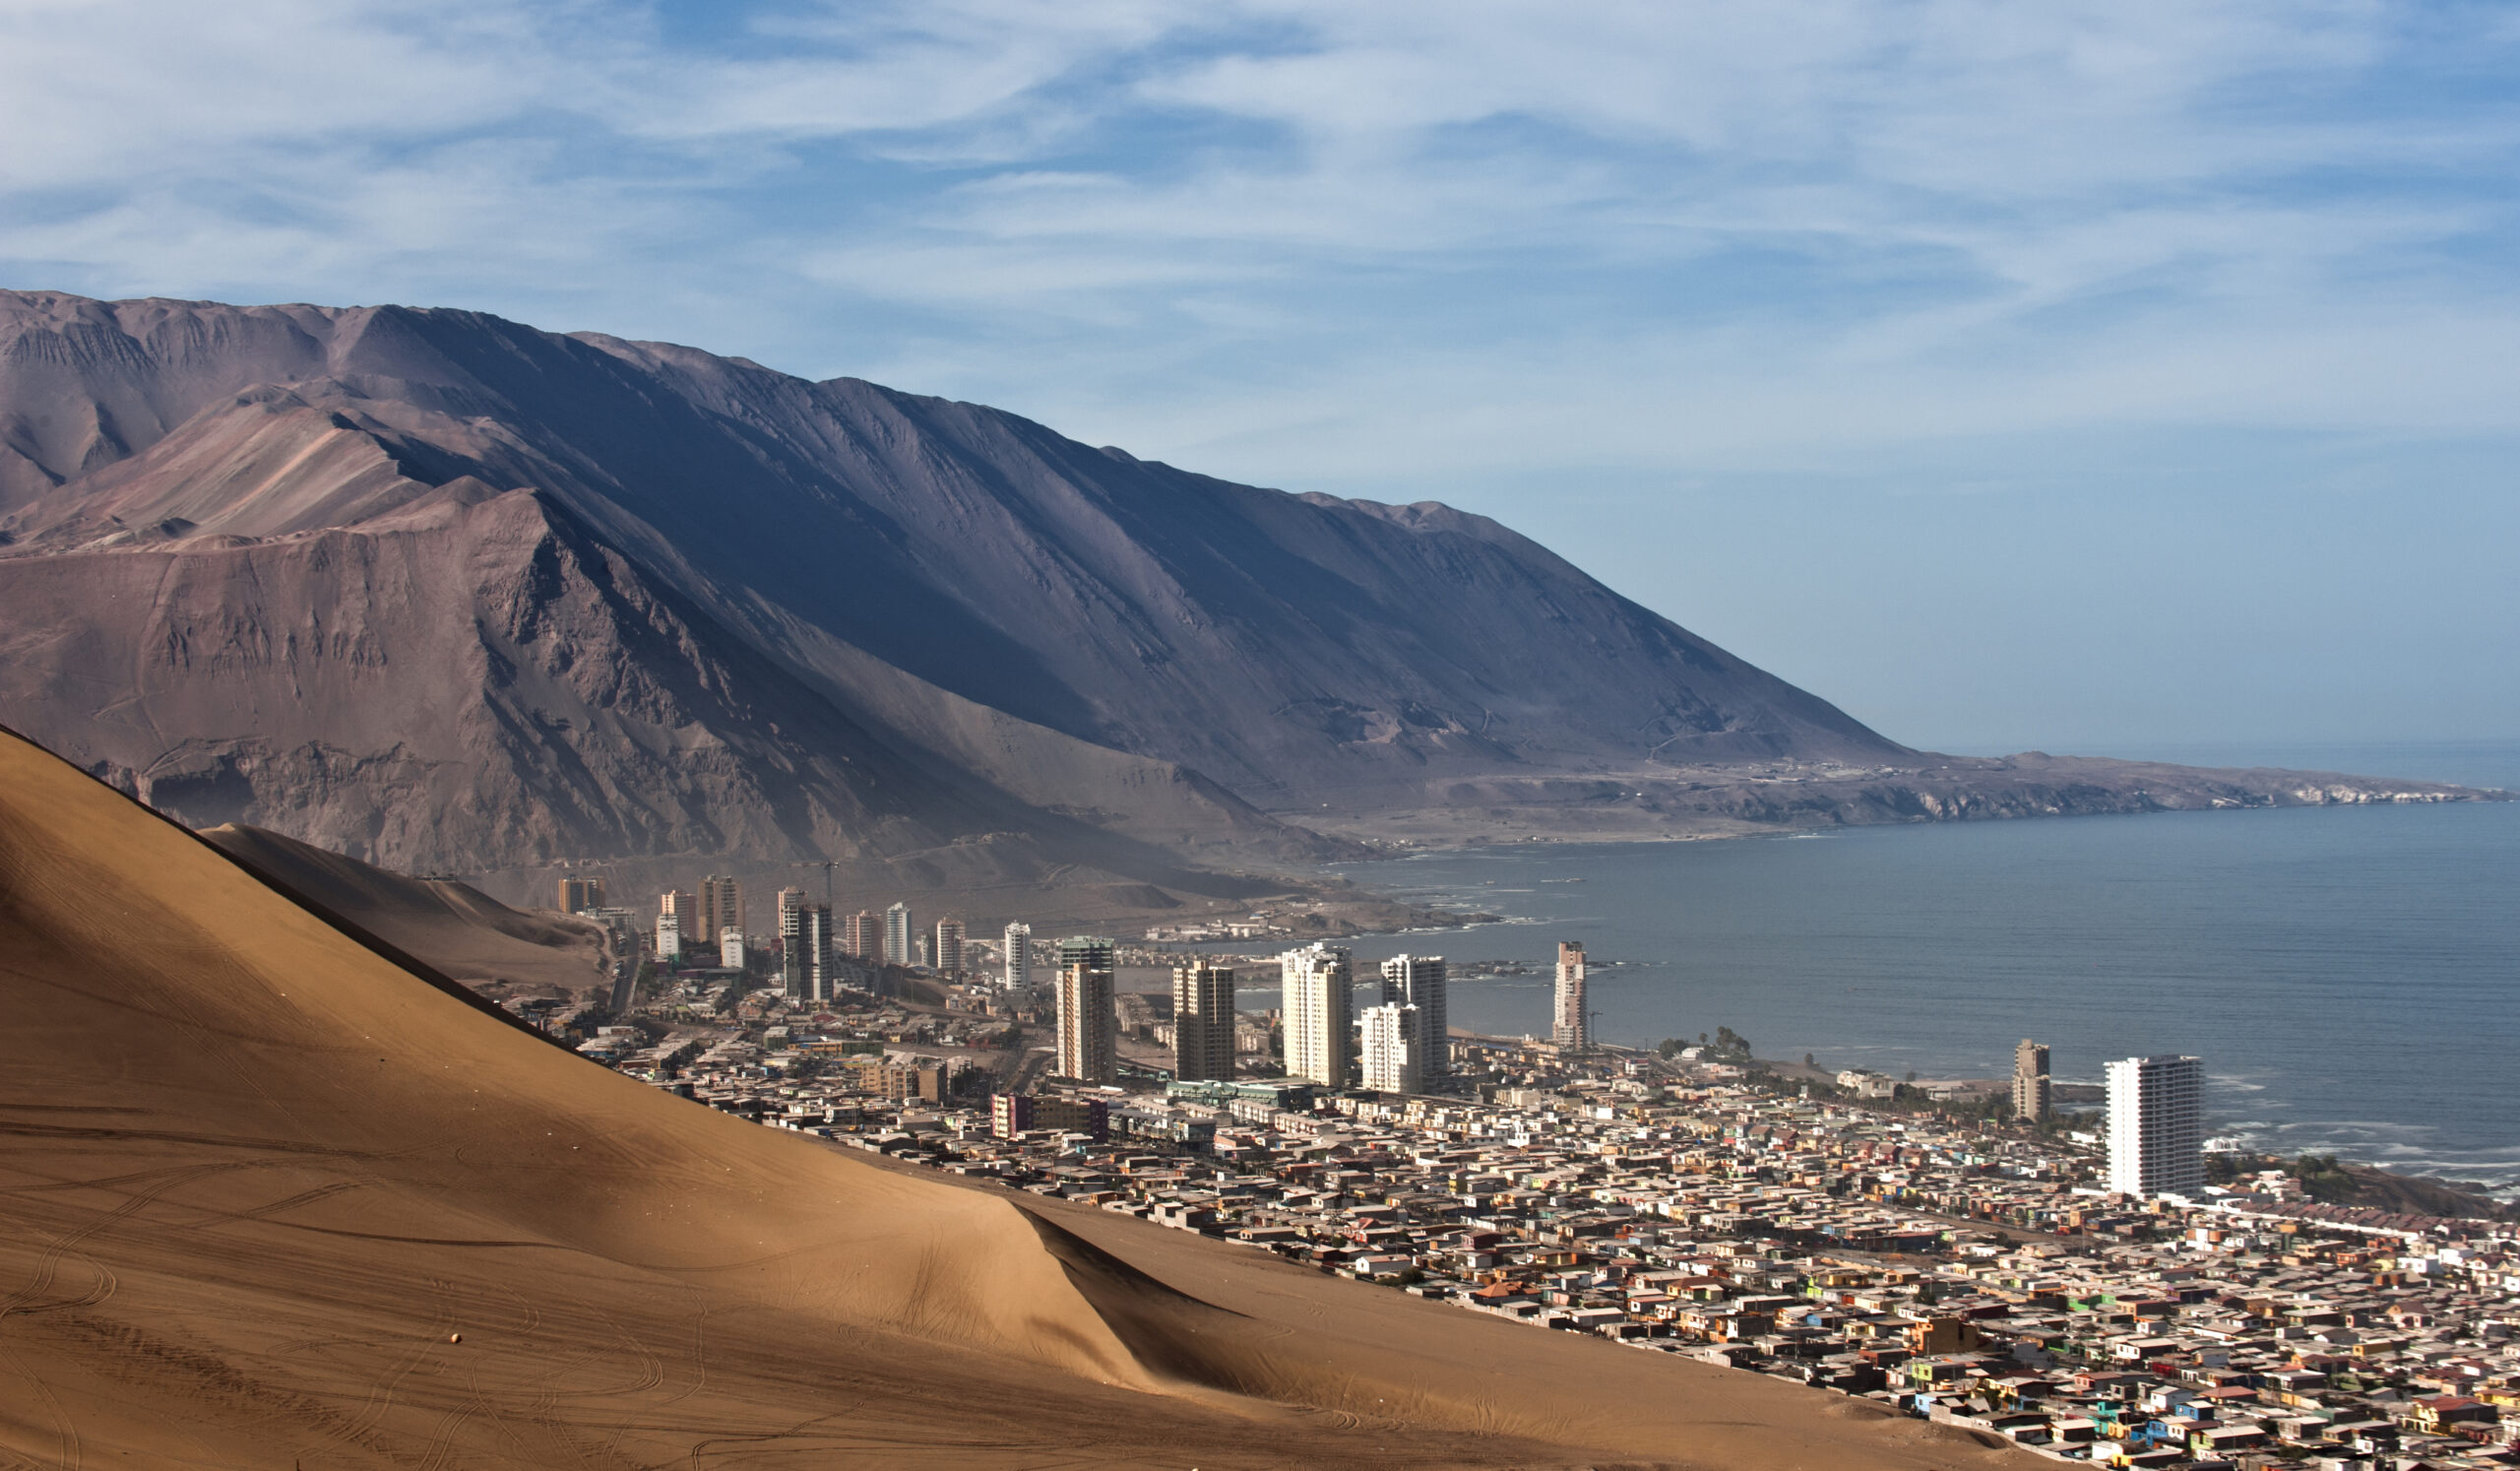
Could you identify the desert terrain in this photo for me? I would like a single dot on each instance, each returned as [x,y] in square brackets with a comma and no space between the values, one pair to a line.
[275,1200]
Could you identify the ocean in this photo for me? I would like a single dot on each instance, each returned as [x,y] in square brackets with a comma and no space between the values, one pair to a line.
[2351,976]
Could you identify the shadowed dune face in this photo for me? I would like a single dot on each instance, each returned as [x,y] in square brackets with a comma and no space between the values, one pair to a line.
[457,928]
[255,1181]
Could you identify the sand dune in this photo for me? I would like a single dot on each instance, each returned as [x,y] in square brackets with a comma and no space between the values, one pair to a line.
[257,1180]
[453,926]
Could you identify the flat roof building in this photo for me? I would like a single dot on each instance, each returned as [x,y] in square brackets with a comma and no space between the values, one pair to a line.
[1320,999]
[1390,1048]
[1420,981]
[1203,1022]
[1573,1015]
[2157,1125]
[1018,956]
[1087,1030]
[2032,1092]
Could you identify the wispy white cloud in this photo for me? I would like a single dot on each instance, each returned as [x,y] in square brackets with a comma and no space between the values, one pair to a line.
[1458,249]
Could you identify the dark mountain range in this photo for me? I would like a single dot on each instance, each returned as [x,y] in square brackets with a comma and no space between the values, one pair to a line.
[446,591]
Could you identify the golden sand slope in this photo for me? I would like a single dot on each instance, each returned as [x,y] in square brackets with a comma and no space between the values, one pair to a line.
[255,1181]
[457,928]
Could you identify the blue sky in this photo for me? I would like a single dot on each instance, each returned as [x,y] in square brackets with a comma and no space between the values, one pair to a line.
[2089,376]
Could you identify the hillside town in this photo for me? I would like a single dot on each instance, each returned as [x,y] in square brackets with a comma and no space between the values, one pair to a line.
[2080,1291]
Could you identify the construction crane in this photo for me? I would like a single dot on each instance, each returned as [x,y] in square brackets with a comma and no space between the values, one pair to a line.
[826,865]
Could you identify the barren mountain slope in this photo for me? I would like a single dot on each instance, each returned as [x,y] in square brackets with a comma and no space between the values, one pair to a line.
[449,593]
[266,1197]
[472,680]
[1074,588]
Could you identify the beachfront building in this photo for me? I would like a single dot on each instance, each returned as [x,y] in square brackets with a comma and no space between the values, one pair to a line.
[1419,981]
[1393,1042]
[2032,1094]
[2157,1127]
[1202,1023]
[1087,1029]
[1574,1017]
[1319,998]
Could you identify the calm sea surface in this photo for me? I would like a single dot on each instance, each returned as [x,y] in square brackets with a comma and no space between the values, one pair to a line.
[2349,975]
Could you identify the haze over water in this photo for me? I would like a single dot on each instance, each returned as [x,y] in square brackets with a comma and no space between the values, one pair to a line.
[2349,975]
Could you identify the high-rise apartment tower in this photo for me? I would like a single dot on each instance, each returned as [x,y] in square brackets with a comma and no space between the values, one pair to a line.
[1419,981]
[897,935]
[863,938]
[804,947]
[1018,956]
[581,893]
[789,901]
[1573,1016]
[1391,1045]
[2157,1125]
[1202,1023]
[947,957]
[1085,1024]
[722,905]
[1319,1004]
[2033,1098]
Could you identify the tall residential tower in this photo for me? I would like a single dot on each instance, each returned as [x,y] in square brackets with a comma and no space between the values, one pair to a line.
[1019,957]
[1419,981]
[1391,1048]
[1086,1025]
[721,908]
[1319,995]
[2157,1125]
[2033,1098]
[1202,1023]
[862,938]
[896,936]
[1573,1015]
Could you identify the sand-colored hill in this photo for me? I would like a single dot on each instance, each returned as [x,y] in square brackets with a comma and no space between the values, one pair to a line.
[269,1199]
[450,926]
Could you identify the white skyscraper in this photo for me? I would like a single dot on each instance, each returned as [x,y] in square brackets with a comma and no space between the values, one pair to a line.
[898,948]
[1393,1042]
[1419,981]
[1319,995]
[1018,956]
[2157,1125]
[731,949]
[1574,1018]
[668,937]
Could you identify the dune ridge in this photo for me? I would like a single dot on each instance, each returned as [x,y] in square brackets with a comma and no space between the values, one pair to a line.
[257,1179]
